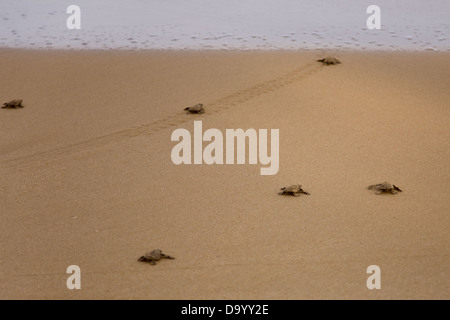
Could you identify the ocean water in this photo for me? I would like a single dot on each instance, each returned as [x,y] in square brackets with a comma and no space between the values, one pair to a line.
[414,25]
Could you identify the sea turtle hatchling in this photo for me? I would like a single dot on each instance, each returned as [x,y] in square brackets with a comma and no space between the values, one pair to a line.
[329,60]
[13,104]
[198,109]
[153,256]
[294,190]
[384,187]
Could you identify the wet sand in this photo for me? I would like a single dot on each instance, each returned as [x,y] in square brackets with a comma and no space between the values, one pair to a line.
[86,176]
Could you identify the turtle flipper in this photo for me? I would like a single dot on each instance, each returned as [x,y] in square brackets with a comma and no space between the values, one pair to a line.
[166,256]
[397,188]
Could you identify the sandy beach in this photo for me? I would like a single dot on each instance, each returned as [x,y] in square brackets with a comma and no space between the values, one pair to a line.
[86,176]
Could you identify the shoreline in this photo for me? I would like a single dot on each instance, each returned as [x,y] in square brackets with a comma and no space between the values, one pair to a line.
[256,50]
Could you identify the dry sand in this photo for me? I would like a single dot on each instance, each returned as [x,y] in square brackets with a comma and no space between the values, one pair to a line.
[86,176]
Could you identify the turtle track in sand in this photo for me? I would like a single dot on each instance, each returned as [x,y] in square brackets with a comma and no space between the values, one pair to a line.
[212,108]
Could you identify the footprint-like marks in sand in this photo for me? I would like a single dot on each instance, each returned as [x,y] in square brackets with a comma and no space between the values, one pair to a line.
[214,107]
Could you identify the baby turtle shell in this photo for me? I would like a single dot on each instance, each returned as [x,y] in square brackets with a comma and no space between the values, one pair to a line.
[384,187]
[294,190]
[197,109]
[329,60]
[13,104]
[153,256]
